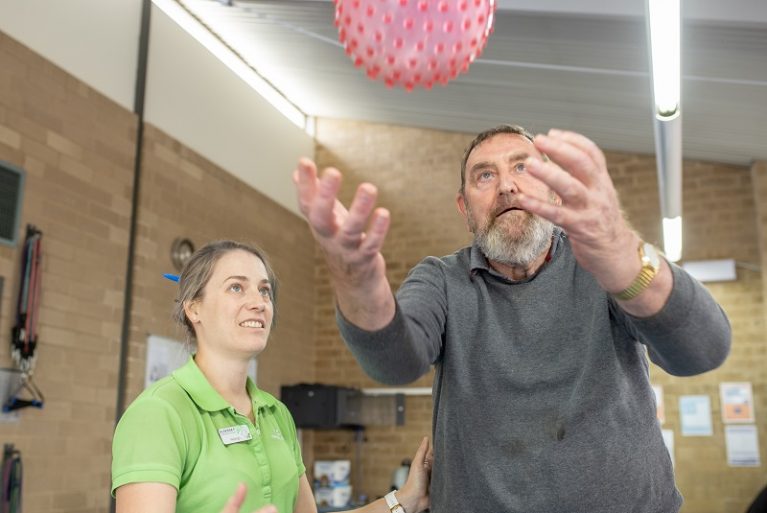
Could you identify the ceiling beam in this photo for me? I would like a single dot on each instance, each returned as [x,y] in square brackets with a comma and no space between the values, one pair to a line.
[739,12]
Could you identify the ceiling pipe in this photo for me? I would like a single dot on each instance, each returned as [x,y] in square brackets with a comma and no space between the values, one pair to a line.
[668,156]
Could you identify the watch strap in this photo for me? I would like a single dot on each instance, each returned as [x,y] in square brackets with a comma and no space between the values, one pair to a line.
[393,503]
[643,279]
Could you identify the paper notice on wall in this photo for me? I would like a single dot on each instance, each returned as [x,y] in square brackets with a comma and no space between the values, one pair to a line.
[742,446]
[737,402]
[668,440]
[164,355]
[660,410]
[695,415]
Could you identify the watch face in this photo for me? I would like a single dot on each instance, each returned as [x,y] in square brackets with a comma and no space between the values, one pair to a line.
[651,254]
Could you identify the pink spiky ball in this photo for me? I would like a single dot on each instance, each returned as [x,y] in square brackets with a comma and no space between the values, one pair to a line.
[414,43]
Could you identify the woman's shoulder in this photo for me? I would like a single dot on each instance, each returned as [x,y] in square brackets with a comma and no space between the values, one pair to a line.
[264,399]
[166,389]
[165,395]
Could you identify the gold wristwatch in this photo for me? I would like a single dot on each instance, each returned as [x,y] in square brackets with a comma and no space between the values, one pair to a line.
[650,259]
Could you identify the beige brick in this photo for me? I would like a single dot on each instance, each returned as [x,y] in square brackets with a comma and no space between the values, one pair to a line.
[34,167]
[121,206]
[64,145]
[10,137]
[75,168]
[165,154]
[191,170]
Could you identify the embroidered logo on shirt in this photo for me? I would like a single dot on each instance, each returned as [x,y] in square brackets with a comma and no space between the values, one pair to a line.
[277,434]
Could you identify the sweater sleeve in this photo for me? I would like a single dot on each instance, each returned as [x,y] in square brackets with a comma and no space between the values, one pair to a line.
[402,351]
[690,334]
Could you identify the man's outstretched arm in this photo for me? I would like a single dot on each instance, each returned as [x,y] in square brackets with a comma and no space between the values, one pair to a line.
[351,241]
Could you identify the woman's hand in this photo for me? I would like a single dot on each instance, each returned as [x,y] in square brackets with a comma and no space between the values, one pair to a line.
[235,502]
[414,496]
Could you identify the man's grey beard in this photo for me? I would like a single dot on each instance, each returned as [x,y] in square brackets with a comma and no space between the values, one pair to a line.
[498,245]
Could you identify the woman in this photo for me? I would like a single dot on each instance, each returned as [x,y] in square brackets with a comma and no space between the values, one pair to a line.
[206,439]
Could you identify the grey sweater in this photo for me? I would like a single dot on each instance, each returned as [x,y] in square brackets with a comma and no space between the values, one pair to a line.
[542,401]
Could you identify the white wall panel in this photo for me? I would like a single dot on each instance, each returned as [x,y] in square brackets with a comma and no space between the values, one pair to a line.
[94,40]
[195,98]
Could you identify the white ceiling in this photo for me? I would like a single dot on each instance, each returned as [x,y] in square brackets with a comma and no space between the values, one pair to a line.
[550,63]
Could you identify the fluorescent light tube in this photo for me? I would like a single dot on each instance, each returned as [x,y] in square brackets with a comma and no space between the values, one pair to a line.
[672,238]
[195,29]
[665,26]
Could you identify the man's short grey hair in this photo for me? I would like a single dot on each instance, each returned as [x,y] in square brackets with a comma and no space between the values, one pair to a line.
[483,136]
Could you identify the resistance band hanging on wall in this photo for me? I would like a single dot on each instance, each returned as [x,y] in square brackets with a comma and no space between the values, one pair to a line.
[10,498]
[24,333]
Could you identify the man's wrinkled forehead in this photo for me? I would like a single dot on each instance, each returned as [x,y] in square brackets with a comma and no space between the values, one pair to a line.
[502,147]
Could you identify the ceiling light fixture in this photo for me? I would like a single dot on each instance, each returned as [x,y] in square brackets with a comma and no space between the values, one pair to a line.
[672,238]
[668,151]
[664,27]
[194,28]
[664,19]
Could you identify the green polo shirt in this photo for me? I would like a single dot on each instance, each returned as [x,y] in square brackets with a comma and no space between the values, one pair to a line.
[172,434]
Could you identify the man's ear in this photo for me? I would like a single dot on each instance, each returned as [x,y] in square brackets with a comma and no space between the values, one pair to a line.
[460,202]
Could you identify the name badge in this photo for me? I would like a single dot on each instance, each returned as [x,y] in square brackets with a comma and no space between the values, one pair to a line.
[234,434]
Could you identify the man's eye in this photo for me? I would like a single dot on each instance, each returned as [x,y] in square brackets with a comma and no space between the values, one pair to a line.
[484,176]
[520,167]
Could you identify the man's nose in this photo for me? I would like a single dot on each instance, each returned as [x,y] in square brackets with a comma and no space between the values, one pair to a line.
[508,183]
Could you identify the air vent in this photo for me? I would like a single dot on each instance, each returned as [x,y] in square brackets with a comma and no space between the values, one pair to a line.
[11,189]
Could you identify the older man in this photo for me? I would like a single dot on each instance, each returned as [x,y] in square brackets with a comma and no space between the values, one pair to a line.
[539,331]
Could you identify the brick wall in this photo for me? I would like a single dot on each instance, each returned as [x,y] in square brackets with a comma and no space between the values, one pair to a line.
[417,173]
[77,148]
